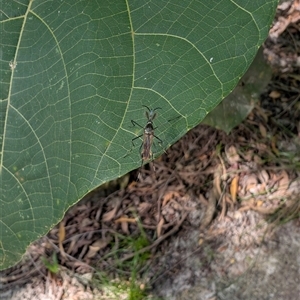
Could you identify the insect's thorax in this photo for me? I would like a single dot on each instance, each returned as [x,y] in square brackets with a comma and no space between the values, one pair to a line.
[149,128]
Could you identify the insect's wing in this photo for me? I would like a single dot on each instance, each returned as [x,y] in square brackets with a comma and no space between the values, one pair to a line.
[147,144]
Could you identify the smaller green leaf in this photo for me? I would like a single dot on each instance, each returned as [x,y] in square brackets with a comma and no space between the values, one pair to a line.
[52,265]
[237,105]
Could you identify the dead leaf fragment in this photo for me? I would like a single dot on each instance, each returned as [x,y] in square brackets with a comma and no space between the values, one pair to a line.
[274,95]
[109,215]
[232,155]
[61,232]
[125,229]
[283,184]
[98,245]
[263,176]
[160,226]
[112,214]
[61,237]
[125,219]
[263,130]
[249,183]
[234,188]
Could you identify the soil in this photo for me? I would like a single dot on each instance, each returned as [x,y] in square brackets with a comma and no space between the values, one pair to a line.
[216,217]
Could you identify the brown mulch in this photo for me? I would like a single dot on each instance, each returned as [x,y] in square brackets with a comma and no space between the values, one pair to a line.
[208,183]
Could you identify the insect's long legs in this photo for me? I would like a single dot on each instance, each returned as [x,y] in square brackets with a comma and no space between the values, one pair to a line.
[136,123]
[159,140]
[137,137]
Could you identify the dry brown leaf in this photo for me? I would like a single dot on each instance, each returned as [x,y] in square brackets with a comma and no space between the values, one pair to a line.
[263,210]
[132,185]
[258,160]
[169,196]
[61,237]
[263,176]
[263,130]
[229,201]
[202,199]
[211,208]
[294,17]
[261,188]
[232,155]
[72,245]
[259,203]
[291,16]
[283,185]
[217,180]
[284,181]
[250,182]
[284,5]
[250,201]
[275,94]
[261,112]
[234,188]
[144,207]
[279,27]
[61,232]
[160,226]
[168,210]
[86,222]
[109,215]
[249,155]
[224,208]
[294,187]
[125,219]
[98,245]
[124,226]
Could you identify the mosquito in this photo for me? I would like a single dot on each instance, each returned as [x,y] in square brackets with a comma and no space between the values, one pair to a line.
[148,134]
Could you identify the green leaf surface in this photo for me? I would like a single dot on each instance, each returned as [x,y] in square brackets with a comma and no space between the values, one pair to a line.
[75,73]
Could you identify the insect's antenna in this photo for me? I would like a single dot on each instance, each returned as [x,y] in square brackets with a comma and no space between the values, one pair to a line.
[151,109]
[147,107]
[151,114]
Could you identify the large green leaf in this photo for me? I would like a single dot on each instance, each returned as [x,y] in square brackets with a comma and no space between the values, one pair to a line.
[75,73]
